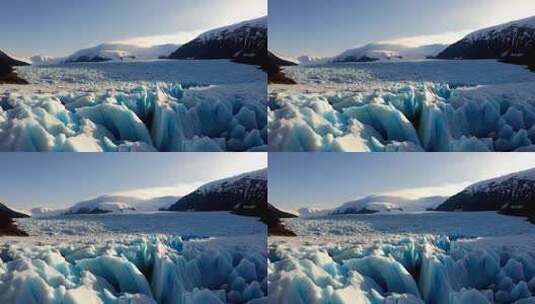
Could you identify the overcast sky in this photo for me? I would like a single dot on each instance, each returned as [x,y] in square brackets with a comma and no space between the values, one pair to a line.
[61,27]
[326,180]
[326,28]
[58,180]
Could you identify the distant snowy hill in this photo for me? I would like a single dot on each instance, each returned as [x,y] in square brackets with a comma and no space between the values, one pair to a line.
[116,52]
[45,60]
[510,194]
[118,204]
[243,194]
[307,60]
[42,212]
[386,204]
[313,212]
[513,41]
[385,52]
[242,42]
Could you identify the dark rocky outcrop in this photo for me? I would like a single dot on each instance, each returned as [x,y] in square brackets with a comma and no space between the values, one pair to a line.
[7,225]
[273,67]
[272,218]
[7,73]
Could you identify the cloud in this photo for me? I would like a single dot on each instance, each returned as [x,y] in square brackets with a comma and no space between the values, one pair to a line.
[445,38]
[177,38]
[152,192]
[419,192]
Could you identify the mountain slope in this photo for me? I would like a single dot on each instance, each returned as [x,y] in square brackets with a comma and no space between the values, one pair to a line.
[244,194]
[511,42]
[388,203]
[387,52]
[11,61]
[4,210]
[244,42]
[115,52]
[512,194]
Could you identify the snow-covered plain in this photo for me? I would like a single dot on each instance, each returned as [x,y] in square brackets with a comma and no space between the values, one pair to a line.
[429,257]
[159,105]
[161,257]
[420,105]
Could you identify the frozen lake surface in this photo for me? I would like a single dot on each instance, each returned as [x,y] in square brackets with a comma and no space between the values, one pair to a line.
[161,105]
[478,257]
[429,105]
[164,257]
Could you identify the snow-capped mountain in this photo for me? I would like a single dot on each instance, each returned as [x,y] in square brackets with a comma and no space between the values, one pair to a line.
[117,52]
[242,42]
[244,194]
[513,41]
[511,194]
[386,52]
[118,204]
[387,203]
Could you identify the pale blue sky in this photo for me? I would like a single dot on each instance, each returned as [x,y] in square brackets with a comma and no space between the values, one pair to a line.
[326,180]
[326,28]
[58,180]
[60,27]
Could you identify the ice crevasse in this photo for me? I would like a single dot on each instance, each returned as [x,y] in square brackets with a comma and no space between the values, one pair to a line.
[147,270]
[154,117]
[406,117]
[419,270]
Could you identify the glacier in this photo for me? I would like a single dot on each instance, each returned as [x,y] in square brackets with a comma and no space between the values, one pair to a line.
[103,259]
[383,259]
[428,105]
[137,106]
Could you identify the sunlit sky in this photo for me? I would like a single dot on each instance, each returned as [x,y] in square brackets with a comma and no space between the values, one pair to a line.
[58,180]
[326,28]
[326,180]
[61,27]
